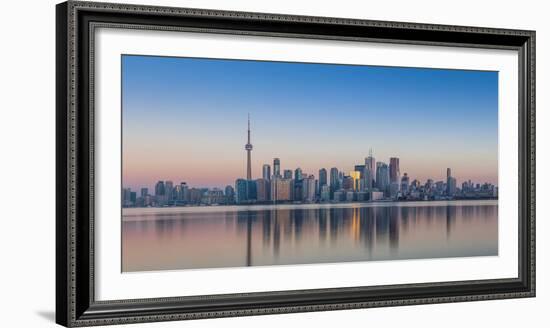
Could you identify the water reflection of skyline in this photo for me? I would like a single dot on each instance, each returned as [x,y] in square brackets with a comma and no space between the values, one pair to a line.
[291,236]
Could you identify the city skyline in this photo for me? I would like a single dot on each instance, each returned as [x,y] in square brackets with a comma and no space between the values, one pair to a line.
[151,149]
[444,177]
[371,180]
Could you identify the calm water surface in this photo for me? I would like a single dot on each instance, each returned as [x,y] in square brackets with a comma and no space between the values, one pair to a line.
[231,236]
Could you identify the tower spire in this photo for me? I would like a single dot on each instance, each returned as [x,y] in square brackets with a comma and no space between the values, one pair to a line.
[248,148]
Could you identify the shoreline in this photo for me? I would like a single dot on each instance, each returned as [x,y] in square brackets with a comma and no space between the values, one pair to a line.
[130,212]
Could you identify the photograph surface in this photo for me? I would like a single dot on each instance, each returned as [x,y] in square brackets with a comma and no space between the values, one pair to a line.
[233,163]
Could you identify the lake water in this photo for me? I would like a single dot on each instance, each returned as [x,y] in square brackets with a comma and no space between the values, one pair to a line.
[234,236]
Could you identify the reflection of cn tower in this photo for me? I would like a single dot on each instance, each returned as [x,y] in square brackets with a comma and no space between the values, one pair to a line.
[248,148]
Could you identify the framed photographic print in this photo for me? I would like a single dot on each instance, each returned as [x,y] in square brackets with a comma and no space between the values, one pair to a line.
[214,163]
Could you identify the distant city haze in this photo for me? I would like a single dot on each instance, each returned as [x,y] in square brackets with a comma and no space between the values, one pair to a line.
[185,120]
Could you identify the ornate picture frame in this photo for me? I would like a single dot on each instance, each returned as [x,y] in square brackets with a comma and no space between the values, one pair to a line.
[77,22]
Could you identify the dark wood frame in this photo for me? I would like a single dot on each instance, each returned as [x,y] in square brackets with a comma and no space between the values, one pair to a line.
[75,303]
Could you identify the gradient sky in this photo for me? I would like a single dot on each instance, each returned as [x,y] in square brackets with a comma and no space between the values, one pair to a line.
[184,119]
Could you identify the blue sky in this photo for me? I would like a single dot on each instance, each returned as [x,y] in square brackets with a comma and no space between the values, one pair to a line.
[185,118]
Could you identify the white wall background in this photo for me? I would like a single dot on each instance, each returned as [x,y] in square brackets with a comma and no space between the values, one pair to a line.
[27,162]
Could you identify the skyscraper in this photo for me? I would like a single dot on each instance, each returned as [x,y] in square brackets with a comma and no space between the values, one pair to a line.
[325,193]
[370,163]
[356,177]
[159,188]
[169,190]
[308,189]
[297,188]
[266,172]
[451,186]
[334,180]
[177,192]
[322,178]
[287,174]
[404,183]
[262,190]
[298,174]
[348,183]
[241,191]
[160,193]
[281,189]
[184,191]
[360,169]
[276,168]
[382,176]
[251,192]
[395,174]
[368,177]
[230,194]
[451,183]
[248,148]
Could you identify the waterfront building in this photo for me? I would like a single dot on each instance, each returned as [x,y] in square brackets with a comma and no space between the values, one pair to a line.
[287,174]
[415,185]
[276,168]
[159,188]
[317,189]
[252,194]
[184,192]
[308,189]
[169,190]
[394,190]
[395,173]
[339,195]
[213,197]
[451,186]
[241,191]
[356,177]
[298,174]
[262,190]
[322,178]
[245,191]
[382,176]
[177,193]
[361,196]
[440,187]
[325,193]
[429,184]
[370,163]
[229,194]
[282,189]
[348,183]
[144,192]
[160,193]
[266,172]
[350,196]
[405,183]
[376,195]
[360,169]
[297,190]
[367,178]
[334,183]
[451,183]
[126,197]
[195,195]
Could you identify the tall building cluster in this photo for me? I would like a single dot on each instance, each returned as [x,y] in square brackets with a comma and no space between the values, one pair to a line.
[368,181]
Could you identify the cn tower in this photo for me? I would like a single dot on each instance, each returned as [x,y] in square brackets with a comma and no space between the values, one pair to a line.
[248,148]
